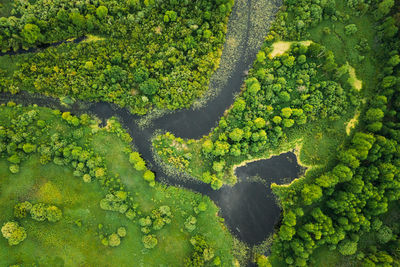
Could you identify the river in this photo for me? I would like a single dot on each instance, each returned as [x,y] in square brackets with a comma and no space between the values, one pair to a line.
[249,208]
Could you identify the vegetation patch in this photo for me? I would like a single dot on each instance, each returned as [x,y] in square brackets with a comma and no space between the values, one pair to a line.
[76,195]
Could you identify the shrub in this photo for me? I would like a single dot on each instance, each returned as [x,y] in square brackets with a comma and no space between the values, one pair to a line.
[53,214]
[14,233]
[38,212]
[21,209]
[149,241]
[114,240]
[121,231]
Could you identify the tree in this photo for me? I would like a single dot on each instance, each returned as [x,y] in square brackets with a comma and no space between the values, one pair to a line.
[218,166]
[149,87]
[347,247]
[149,241]
[374,114]
[236,135]
[114,240]
[286,112]
[53,213]
[343,172]
[78,20]
[29,148]
[21,209]
[383,8]
[207,146]
[149,176]
[101,12]
[277,119]
[30,33]
[311,193]
[121,231]
[259,122]
[190,223]
[286,232]
[350,29]
[287,123]
[39,212]
[384,234]
[14,233]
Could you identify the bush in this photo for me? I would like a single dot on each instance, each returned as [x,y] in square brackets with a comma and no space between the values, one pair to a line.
[149,241]
[14,233]
[39,212]
[21,209]
[350,29]
[53,214]
[114,240]
[121,231]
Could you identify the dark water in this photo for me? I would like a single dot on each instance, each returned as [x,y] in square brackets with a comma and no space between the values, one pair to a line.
[249,208]
[41,47]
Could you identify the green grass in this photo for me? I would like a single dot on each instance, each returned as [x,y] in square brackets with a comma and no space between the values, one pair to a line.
[344,46]
[64,243]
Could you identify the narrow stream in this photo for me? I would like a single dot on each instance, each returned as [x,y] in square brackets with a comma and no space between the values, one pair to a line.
[249,208]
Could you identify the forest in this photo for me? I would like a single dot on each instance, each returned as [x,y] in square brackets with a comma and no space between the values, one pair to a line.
[78,189]
[144,55]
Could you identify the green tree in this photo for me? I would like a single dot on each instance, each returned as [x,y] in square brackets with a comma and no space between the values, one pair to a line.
[350,29]
[29,148]
[121,231]
[347,247]
[101,12]
[259,122]
[21,209]
[374,114]
[311,193]
[149,87]
[207,146]
[53,213]
[114,240]
[149,176]
[236,135]
[218,166]
[149,241]
[39,212]
[14,233]
[30,33]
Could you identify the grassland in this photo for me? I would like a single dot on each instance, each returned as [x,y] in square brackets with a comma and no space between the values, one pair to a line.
[76,239]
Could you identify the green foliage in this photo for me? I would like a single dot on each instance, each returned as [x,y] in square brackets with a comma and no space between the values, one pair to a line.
[202,252]
[39,212]
[148,74]
[114,240]
[149,241]
[347,247]
[14,233]
[30,33]
[101,12]
[53,214]
[22,209]
[190,223]
[350,29]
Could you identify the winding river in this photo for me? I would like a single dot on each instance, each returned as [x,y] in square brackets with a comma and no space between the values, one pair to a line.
[249,208]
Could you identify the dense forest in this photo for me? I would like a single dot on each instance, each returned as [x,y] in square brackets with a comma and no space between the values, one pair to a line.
[140,54]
